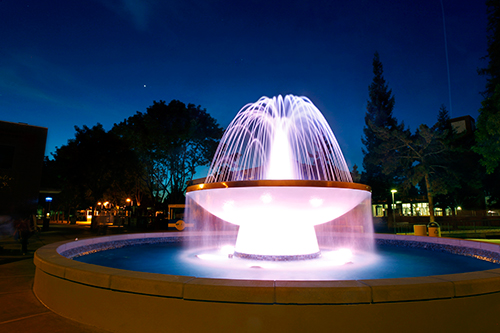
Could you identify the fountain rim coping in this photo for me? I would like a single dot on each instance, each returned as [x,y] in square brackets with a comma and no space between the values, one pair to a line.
[278,183]
[364,291]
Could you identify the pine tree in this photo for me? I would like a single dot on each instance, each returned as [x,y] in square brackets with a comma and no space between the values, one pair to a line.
[378,116]
[443,121]
[355,175]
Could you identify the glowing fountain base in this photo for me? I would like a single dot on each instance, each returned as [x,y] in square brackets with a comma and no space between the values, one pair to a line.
[276,218]
[268,241]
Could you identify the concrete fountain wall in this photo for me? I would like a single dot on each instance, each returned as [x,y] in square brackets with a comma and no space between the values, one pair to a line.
[128,301]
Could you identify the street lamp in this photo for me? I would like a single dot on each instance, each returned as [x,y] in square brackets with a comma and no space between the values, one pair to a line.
[48,200]
[46,220]
[393,210]
[129,210]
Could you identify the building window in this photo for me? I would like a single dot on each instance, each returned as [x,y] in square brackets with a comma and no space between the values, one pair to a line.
[378,210]
[406,209]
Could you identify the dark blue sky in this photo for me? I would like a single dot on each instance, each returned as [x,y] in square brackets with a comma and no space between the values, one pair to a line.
[66,62]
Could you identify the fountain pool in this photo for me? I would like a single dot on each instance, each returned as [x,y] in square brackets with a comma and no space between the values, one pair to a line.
[386,262]
[121,300]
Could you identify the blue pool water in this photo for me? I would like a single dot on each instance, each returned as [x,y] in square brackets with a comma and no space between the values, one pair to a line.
[387,262]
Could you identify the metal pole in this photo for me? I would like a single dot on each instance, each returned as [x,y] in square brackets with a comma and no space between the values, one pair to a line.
[393,213]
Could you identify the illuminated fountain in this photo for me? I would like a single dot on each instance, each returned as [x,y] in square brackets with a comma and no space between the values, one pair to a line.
[279,172]
[279,178]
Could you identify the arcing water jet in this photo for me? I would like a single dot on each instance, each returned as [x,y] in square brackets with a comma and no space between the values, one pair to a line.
[277,173]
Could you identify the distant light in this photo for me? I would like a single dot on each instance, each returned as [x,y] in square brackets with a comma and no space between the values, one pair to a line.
[144,86]
[459,208]
[48,199]
[394,191]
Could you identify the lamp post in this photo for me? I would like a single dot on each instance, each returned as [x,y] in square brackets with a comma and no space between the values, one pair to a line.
[393,210]
[129,210]
[46,220]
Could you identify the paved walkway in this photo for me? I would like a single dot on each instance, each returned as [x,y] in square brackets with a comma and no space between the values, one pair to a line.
[20,309]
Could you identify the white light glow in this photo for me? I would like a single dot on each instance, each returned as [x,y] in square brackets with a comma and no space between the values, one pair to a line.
[266,198]
[227,249]
[210,257]
[280,156]
[276,239]
[338,257]
[228,206]
[316,202]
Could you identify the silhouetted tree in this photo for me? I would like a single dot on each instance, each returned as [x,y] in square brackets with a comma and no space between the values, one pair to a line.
[171,142]
[92,164]
[355,175]
[423,157]
[378,117]
[466,190]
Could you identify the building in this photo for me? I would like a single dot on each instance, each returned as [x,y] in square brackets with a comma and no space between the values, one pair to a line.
[463,124]
[22,149]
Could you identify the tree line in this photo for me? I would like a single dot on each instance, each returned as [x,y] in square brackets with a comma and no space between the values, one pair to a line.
[147,158]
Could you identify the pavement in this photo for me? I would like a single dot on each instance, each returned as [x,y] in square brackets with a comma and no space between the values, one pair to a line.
[20,309]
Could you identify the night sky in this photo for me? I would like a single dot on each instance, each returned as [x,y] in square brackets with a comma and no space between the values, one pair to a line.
[66,62]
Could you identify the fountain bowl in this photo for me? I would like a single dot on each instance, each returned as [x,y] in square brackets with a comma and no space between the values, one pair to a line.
[276,218]
[129,301]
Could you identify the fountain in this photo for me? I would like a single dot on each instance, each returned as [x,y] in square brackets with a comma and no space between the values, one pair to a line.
[277,173]
[280,181]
